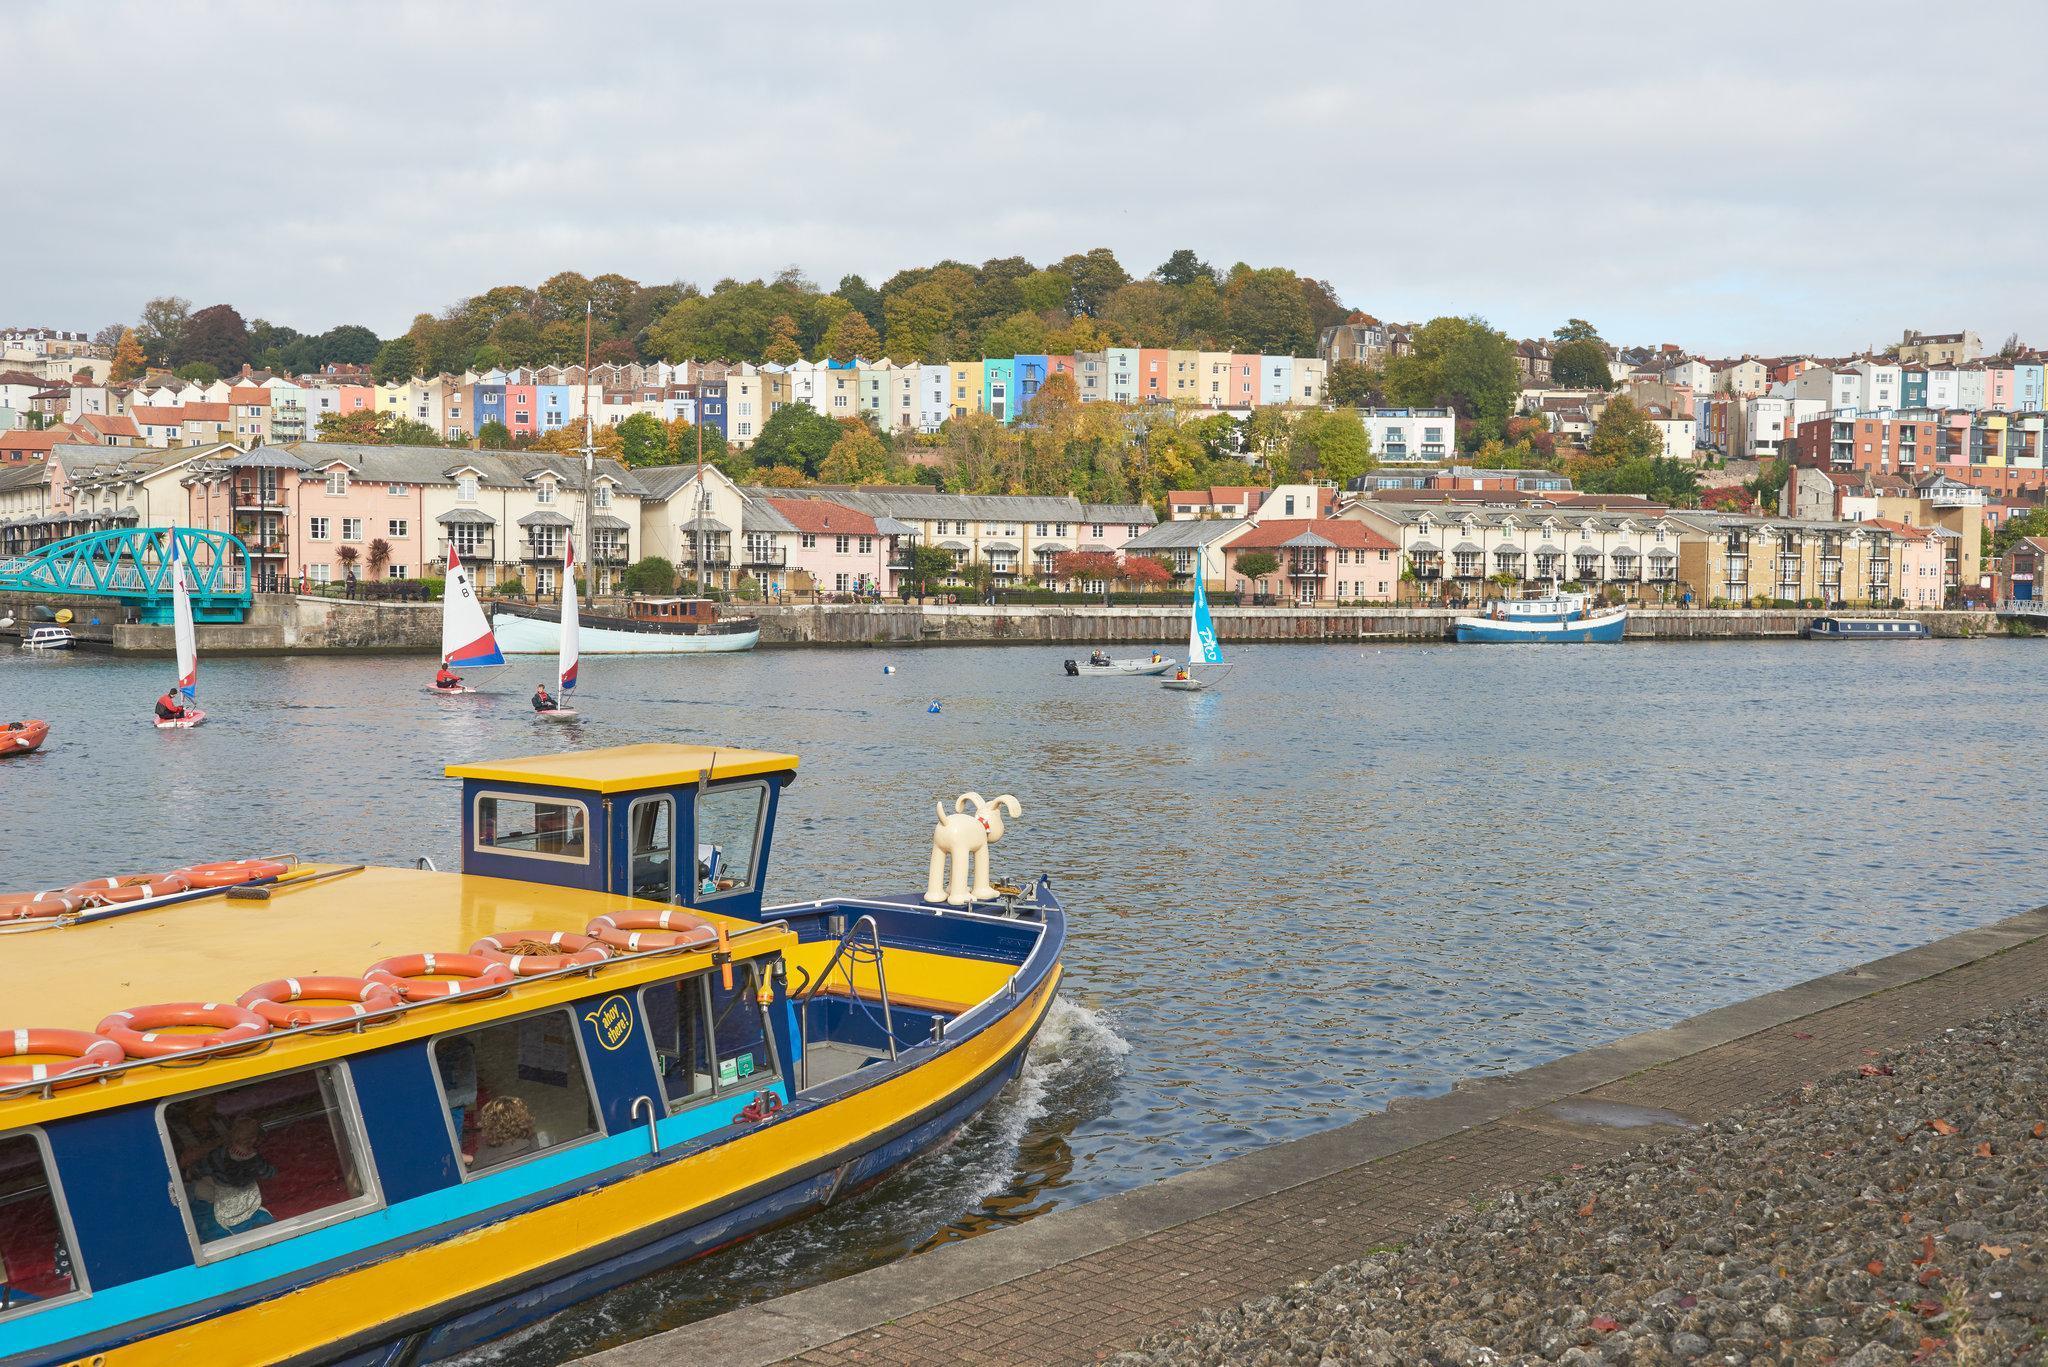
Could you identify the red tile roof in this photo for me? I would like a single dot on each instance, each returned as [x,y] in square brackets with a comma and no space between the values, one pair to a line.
[249,393]
[109,425]
[171,417]
[17,443]
[1276,532]
[817,515]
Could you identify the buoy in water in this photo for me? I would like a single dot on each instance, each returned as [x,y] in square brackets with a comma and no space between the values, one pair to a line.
[888,669]
[934,707]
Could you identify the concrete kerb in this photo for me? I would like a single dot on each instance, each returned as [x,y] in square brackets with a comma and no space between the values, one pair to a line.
[787,1326]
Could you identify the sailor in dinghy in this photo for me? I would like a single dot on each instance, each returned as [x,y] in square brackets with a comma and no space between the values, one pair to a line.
[466,637]
[178,709]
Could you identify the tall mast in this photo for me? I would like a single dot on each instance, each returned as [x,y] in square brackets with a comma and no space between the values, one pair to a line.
[589,445]
[703,499]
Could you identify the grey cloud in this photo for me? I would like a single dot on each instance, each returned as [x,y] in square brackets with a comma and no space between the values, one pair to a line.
[1732,177]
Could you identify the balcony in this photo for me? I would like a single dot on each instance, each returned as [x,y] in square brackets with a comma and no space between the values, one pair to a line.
[772,557]
[483,548]
[541,552]
[250,498]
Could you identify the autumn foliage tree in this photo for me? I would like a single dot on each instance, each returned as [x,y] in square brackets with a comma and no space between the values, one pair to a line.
[129,362]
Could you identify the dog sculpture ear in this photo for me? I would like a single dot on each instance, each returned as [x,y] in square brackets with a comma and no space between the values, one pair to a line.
[1009,804]
[960,802]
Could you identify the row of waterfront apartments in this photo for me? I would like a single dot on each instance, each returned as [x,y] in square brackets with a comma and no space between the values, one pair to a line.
[735,398]
[314,513]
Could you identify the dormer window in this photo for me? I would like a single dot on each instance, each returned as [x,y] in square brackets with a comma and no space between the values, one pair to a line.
[465,489]
[337,483]
[544,492]
[601,496]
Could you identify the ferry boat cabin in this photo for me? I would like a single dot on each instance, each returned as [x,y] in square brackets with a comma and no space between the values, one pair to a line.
[424,1174]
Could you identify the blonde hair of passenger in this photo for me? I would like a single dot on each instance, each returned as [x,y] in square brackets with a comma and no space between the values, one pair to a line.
[503,1120]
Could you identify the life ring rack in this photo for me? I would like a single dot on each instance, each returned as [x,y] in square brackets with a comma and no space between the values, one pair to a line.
[427,977]
[137,1029]
[88,1053]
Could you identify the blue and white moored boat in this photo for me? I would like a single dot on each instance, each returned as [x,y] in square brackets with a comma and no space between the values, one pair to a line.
[1559,620]
[1866,629]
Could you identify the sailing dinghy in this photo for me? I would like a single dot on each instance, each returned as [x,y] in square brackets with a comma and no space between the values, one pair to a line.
[188,645]
[466,638]
[1203,650]
[565,670]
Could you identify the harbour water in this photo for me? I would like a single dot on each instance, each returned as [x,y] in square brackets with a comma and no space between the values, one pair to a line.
[1348,875]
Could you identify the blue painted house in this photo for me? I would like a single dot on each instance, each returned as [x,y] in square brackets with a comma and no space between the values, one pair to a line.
[490,402]
[557,405]
[1030,374]
[1913,386]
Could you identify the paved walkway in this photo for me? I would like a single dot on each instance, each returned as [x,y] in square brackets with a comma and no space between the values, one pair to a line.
[1081,1283]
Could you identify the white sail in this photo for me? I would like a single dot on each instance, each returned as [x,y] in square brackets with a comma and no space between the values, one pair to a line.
[181,624]
[571,626]
[466,637]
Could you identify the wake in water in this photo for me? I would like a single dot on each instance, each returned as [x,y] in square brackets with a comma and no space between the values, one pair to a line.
[1003,1168]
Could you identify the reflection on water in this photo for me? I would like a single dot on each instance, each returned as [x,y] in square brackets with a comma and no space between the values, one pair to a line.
[1347,875]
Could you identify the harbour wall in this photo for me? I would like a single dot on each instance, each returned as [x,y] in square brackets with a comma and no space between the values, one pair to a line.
[282,624]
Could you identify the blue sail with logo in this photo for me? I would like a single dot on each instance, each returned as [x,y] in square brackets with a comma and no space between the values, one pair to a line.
[1203,648]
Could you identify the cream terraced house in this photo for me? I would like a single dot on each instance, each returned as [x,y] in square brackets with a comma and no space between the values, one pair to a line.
[1736,559]
[1455,548]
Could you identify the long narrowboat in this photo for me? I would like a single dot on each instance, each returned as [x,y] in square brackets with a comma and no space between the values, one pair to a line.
[1866,629]
[279,1112]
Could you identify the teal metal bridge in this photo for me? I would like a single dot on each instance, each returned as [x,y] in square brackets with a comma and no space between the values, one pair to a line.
[134,567]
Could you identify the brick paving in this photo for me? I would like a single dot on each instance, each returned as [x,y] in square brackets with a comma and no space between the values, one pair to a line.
[1088,1307]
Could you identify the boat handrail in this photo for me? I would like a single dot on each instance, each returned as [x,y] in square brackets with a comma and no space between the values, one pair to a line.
[358,1024]
[852,954]
[653,1134]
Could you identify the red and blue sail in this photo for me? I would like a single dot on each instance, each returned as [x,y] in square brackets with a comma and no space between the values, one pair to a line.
[466,636]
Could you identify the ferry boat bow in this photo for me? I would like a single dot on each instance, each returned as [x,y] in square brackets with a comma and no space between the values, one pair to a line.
[382,1115]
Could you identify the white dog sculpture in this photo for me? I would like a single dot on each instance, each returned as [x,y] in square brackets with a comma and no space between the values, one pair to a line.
[966,836]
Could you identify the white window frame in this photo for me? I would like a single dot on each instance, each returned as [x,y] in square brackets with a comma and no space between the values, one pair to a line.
[589,1084]
[398,529]
[476,812]
[369,1201]
[337,483]
[319,528]
[347,523]
[80,1286]
[760,786]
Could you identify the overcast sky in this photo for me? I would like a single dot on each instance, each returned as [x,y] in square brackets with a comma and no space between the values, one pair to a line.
[1766,178]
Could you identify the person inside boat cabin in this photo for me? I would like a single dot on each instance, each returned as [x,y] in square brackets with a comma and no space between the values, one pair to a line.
[542,700]
[447,678]
[196,1130]
[169,707]
[1098,657]
[227,1184]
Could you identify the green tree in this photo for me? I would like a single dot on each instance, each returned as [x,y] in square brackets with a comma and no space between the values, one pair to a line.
[864,298]
[199,372]
[1092,278]
[397,359]
[1335,445]
[494,436]
[1184,268]
[1577,330]
[796,435]
[929,563]
[345,344]
[783,348]
[1350,384]
[368,427]
[1624,433]
[1021,334]
[407,432]
[686,442]
[1257,564]
[2033,522]
[857,457]
[161,326]
[851,336]
[652,577]
[643,440]
[1581,364]
[1460,363]
[1266,312]
[920,321]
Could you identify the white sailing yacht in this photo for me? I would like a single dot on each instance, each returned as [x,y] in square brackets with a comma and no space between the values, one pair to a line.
[466,638]
[187,638]
[1203,650]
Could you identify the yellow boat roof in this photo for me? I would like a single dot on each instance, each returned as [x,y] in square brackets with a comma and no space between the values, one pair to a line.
[624,767]
[216,948]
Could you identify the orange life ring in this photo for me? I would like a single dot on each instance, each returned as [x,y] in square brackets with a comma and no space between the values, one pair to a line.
[98,892]
[135,1029]
[633,931]
[88,1053]
[577,951]
[16,906]
[284,1002]
[227,873]
[418,977]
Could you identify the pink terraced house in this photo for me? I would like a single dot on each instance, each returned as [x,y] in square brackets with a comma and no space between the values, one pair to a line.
[840,548]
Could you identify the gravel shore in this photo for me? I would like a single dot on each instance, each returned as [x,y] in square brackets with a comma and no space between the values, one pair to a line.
[1897,1213]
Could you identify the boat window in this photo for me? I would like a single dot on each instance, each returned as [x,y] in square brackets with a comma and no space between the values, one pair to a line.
[739,1030]
[677,1026]
[729,838]
[36,1261]
[514,1089]
[265,1160]
[531,828]
[651,821]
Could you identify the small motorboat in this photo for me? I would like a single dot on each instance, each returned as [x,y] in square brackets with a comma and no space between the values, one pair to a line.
[1103,666]
[22,737]
[49,638]
[193,716]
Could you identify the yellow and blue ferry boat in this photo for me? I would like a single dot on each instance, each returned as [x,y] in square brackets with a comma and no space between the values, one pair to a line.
[269,1112]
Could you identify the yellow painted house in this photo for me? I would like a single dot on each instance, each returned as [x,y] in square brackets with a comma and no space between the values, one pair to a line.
[1183,373]
[965,395]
